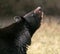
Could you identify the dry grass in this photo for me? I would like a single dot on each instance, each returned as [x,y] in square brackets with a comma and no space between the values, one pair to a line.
[46,40]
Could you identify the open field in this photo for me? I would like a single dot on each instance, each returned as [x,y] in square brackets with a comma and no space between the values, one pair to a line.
[46,39]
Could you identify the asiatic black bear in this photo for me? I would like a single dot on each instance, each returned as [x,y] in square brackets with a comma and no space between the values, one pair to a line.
[15,38]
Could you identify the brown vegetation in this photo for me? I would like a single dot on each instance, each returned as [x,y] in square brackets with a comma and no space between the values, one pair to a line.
[47,38]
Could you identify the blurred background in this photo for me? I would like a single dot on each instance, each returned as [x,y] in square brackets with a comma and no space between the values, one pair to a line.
[20,7]
[46,39]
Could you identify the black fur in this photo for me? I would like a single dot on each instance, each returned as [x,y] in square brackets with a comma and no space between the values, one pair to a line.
[15,38]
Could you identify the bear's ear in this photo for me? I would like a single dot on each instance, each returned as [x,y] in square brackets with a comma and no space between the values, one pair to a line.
[17,18]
